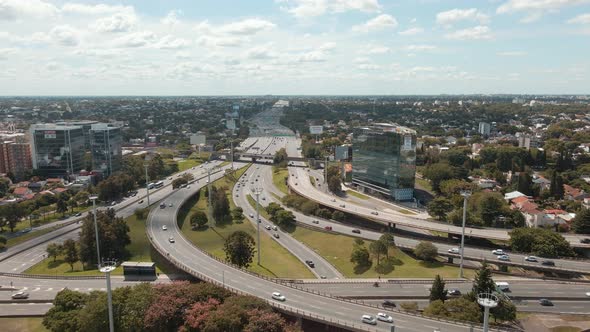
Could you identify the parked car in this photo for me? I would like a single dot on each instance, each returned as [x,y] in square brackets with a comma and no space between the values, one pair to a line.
[368,319]
[140,202]
[278,296]
[531,259]
[356,231]
[20,295]
[384,317]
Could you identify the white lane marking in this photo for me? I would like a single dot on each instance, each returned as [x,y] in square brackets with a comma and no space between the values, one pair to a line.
[49,289]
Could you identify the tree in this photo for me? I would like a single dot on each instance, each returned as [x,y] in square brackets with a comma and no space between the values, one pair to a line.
[539,241]
[63,316]
[525,184]
[237,214]
[3,242]
[220,202]
[581,223]
[438,291]
[113,235]
[378,248]
[309,207]
[462,309]
[239,248]
[388,240]
[198,313]
[323,213]
[490,206]
[272,208]
[556,186]
[334,184]
[338,215]
[70,251]
[483,282]
[280,158]
[265,321]
[131,304]
[360,256]
[284,218]
[436,309]
[176,183]
[439,208]
[13,213]
[198,219]
[426,251]
[437,173]
[54,250]
[505,311]
[141,214]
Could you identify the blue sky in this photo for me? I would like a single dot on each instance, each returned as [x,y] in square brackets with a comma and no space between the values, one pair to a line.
[204,47]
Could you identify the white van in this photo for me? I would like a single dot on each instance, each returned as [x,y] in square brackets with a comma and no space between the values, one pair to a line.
[502,286]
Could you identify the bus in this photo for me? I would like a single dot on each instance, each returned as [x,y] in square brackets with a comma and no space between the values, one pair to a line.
[159,184]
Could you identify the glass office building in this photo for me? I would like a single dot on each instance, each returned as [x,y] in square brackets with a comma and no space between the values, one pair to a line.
[384,160]
[57,150]
[86,126]
[105,146]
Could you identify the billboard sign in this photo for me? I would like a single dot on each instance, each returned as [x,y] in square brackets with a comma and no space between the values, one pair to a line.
[407,143]
[50,134]
[316,130]
[197,139]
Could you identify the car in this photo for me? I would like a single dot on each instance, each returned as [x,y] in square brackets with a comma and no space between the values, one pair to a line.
[164,227]
[333,200]
[504,257]
[384,317]
[531,259]
[183,185]
[20,295]
[454,292]
[328,228]
[585,240]
[309,263]
[375,213]
[274,228]
[498,252]
[251,215]
[322,277]
[342,205]
[267,227]
[356,231]
[170,178]
[256,180]
[140,202]
[588,294]
[454,251]
[368,319]
[264,198]
[388,303]
[278,296]
[171,239]
[162,206]
[315,222]
[545,302]
[237,195]
[276,235]
[114,203]
[189,187]
[548,263]
[79,214]
[295,183]
[170,205]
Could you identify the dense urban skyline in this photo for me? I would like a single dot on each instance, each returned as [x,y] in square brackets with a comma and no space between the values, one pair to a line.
[293,47]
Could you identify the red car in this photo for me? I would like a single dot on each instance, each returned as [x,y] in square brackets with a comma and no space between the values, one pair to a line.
[328,228]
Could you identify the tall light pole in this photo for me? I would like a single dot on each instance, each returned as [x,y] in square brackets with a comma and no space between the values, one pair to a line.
[94,198]
[108,267]
[257,192]
[231,152]
[465,194]
[147,183]
[487,301]
[210,209]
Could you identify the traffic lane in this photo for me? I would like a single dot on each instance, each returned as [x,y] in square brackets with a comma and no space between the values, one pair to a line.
[331,308]
[24,309]
[322,267]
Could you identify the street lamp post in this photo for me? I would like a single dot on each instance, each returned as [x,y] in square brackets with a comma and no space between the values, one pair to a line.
[147,184]
[108,267]
[465,194]
[94,198]
[210,209]
[257,192]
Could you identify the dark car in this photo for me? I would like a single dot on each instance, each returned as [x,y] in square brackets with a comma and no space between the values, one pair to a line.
[545,302]
[548,263]
[310,263]
[356,231]
[388,303]
[454,292]
[328,228]
[585,240]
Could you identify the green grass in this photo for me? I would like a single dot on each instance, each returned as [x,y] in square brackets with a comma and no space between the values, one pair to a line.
[337,249]
[23,324]
[356,194]
[183,165]
[404,211]
[278,179]
[276,261]
[565,329]
[139,250]
[425,184]
[252,202]
[27,236]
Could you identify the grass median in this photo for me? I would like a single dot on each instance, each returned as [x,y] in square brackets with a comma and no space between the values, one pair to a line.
[337,248]
[276,261]
[22,324]
[278,179]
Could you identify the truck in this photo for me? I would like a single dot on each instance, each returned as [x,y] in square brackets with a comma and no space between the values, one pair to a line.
[502,286]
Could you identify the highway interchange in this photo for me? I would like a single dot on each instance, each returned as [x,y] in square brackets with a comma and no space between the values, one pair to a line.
[211,269]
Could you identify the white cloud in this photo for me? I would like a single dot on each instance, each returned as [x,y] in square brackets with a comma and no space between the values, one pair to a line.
[120,22]
[6,53]
[18,9]
[221,41]
[247,27]
[262,52]
[329,46]
[420,48]
[100,9]
[580,19]
[535,9]
[171,18]
[313,56]
[476,33]
[136,39]
[380,22]
[182,55]
[512,53]
[368,66]
[65,35]
[374,49]
[450,17]
[411,32]
[362,60]
[312,8]
[171,42]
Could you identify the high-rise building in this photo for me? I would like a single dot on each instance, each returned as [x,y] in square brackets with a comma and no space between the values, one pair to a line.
[105,146]
[484,129]
[384,160]
[86,126]
[57,150]
[15,158]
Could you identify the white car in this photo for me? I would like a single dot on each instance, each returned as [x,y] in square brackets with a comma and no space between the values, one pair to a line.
[188,187]
[504,257]
[267,227]
[368,319]
[278,296]
[588,294]
[171,239]
[20,295]
[384,317]
[531,259]
[274,228]
[454,251]
[498,252]
[164,227]
[251,215]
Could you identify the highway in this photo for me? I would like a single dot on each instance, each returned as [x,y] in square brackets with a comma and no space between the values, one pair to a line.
[203,266]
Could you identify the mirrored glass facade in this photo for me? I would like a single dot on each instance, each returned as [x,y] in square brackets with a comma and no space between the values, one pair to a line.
[384,160]
[57,150]
[105,142]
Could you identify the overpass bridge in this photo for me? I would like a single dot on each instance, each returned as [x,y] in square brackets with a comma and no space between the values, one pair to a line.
[256,157]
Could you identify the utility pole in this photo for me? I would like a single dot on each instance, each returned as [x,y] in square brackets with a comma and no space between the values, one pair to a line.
[231,151]
[147,184]
[210,209]
[108,267]
[465,194]
[257,192]
[94,198]
[326,170]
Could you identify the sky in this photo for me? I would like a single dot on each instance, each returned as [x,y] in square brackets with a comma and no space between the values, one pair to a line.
[294,47]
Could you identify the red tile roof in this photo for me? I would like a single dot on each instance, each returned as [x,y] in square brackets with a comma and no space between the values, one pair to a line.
[20,191]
